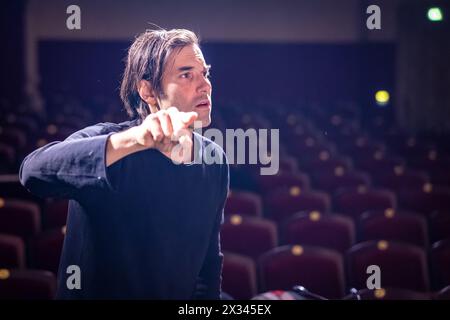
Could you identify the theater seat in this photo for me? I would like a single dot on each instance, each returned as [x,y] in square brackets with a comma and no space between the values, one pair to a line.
[7,158]
[313,228]
[389,294]
[248,236]
[239,276]
[394,225]
[12,252]
[45,250]
[19,217]
[318,269]
[27,284]
[244,203]
[402,265]
[281,204]
[341,179]
[327,164]
[440,225]
[401,178]
[427,199]
[11,188]
[282,180]
[354,202]
[377,162]
[13,136]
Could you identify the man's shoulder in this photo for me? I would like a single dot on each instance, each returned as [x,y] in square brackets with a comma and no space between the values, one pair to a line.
[102,128]
[107,127]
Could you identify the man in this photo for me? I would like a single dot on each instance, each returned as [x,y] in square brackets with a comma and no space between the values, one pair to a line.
[144,214]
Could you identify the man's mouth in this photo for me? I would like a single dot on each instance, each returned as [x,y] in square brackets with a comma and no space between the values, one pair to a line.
[204,104]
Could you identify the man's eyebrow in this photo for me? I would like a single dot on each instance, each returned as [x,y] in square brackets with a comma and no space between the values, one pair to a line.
[187,68]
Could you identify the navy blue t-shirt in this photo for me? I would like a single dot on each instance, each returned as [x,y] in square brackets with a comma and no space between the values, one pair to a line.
[142,228]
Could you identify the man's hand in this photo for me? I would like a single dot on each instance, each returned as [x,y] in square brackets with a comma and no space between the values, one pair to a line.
[169,131]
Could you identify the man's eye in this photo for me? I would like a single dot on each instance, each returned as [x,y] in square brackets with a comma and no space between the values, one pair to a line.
[186,75]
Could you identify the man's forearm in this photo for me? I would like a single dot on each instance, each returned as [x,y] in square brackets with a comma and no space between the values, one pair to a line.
[59,169]
[120,145]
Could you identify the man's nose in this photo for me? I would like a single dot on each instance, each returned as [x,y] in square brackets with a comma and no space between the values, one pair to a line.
[204,85]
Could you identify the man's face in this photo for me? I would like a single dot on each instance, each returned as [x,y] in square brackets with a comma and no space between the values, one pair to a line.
[186,84]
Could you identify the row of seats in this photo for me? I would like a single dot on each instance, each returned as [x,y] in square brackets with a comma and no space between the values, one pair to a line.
[323,271]
[239,278]
[31,232]
[331,274]
[349,192]
[253,236]
[414,221]
[40,252]
[363,206]
[27,284]
[25,218]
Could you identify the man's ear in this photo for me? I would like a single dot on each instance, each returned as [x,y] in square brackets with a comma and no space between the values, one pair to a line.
[147,94]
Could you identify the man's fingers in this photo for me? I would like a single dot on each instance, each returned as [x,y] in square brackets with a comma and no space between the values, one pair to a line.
[166,123]
[188,118]
[175,118]
[185,141]
[154,128]
[179,119]
[182,132]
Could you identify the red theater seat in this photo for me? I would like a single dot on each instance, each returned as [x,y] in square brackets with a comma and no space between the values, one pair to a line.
[401,265]
[377,162]
[331,231]
[319,270]
[400,178]
[341,178]
[12,252]
[248,236]
[356,201]
[389,294]
[239,276]
[394,225]
[440,225]
[282,180]
[244,203]
[27,284]
[19,217]
[45,250]
[426,199]
[283,203]
[327,164]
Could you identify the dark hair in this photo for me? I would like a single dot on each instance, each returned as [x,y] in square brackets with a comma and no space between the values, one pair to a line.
[147,59]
